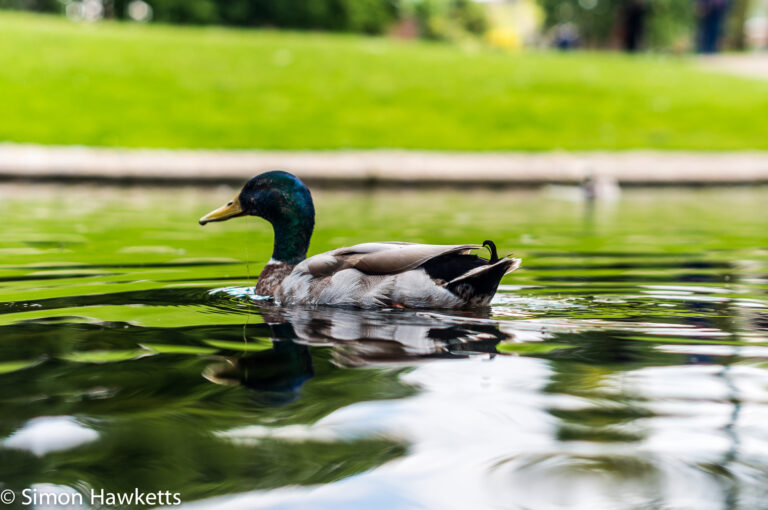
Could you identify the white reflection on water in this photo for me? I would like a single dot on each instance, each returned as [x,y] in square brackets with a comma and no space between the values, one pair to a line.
[568,432]
[485,434]
[48,434]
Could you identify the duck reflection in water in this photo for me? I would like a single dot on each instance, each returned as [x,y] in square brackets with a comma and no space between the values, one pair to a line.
[355,338]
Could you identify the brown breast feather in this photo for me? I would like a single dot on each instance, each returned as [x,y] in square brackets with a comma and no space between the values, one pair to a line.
[271,277]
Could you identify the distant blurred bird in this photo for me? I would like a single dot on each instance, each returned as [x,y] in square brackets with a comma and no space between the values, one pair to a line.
[370,275]
[591,189]
[600,188]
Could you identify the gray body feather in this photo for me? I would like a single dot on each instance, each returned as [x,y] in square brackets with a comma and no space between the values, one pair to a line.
[383,274]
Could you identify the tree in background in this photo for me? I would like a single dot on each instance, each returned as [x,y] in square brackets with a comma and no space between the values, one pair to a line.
[671,25]
[32,5]
[446,19]
[435,19]
[369,16]
[736,35]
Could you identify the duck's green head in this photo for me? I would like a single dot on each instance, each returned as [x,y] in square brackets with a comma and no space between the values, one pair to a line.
[284,201]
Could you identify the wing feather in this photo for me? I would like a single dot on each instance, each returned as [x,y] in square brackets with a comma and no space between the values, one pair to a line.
[400,258]
[379,258]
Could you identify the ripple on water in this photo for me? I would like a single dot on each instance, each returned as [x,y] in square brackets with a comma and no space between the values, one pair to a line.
[622,367]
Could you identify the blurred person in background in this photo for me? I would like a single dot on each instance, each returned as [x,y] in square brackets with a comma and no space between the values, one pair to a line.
[566,36]
[711,16]
[633,16]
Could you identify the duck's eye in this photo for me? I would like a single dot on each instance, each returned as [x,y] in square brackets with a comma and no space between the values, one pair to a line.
[229,203]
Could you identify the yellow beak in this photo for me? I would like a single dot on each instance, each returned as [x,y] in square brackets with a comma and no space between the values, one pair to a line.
[225,212]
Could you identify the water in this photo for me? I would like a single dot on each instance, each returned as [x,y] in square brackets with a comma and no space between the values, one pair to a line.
[624,366]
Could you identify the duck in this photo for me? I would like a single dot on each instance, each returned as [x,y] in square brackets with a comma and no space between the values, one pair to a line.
[387,274]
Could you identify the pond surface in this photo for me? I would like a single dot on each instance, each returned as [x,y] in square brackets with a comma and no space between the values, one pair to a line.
[625,365]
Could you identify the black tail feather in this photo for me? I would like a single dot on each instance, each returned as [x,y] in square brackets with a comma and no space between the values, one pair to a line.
[478,287]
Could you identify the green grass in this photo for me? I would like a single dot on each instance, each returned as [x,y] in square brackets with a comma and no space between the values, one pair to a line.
[157,86]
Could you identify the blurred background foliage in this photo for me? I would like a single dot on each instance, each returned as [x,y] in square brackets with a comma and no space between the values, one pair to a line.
[665,24]
[669,25]
[435,19]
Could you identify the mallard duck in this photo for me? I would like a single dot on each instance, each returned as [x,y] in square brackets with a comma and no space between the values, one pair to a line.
[368,275]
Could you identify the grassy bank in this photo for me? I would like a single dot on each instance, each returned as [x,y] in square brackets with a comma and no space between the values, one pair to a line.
[156,86]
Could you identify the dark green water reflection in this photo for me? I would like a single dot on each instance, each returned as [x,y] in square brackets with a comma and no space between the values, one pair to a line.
[624,366]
